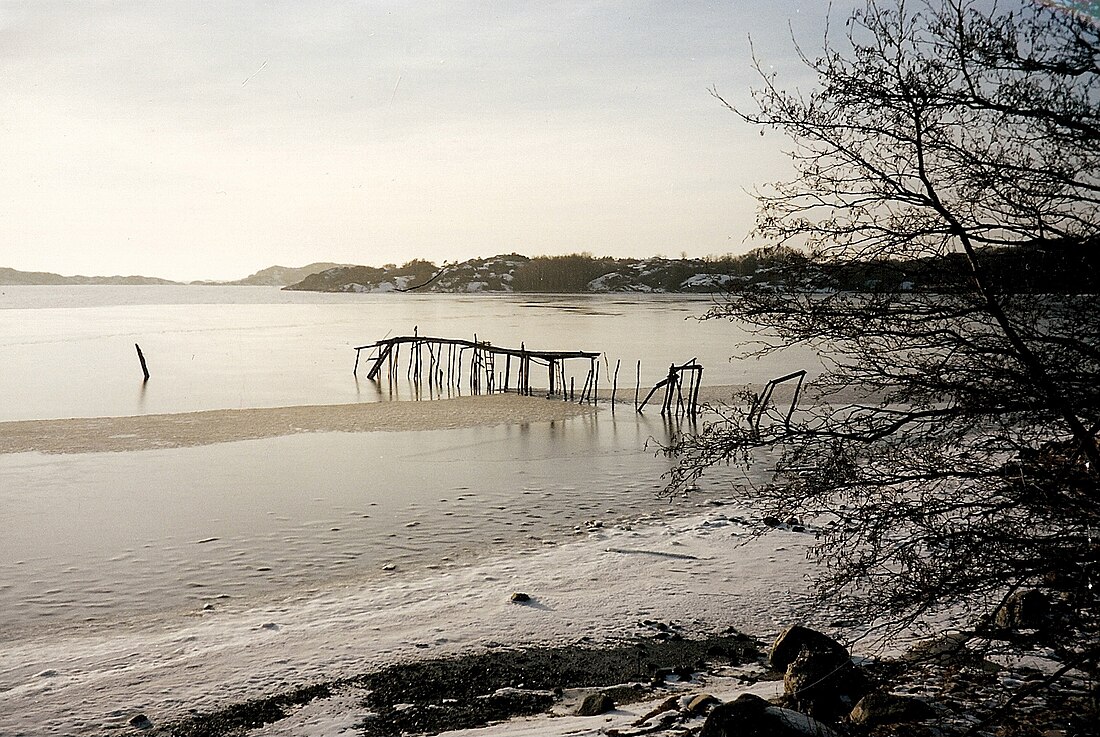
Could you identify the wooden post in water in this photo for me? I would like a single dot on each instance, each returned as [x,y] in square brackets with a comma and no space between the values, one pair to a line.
[141,360]
[695,394]
[615,384]
[667,405]
[522,382]
[638,385]
[596,382]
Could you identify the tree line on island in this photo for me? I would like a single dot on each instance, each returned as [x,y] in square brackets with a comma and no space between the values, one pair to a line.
[1018,270]
[1024,271]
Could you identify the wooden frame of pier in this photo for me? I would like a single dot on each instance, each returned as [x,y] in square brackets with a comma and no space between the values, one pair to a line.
[439,363]
[677,401]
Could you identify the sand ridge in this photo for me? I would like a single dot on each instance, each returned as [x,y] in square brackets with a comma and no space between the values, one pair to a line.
[209,427]
[189,429]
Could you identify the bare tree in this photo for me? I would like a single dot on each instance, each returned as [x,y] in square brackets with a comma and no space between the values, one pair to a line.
[951,152]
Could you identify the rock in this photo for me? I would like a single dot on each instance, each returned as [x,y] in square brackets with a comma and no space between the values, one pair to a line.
[141,722]
[949,649]
[671,704]
[771,521]
[794,639]
[887,708]
[684,673]
[208,607]
[751,716]
[520,598]
[595,704]
[823,684]
[700,703]
[1028,609]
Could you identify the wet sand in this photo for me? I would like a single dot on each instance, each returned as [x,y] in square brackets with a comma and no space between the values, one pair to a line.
[189,429]
[210,427]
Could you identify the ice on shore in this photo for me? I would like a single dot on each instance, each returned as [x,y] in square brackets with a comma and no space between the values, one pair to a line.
[703,575]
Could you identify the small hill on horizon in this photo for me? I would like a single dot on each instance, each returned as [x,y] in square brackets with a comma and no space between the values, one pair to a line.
[14,277]
[272,276]
[280,276]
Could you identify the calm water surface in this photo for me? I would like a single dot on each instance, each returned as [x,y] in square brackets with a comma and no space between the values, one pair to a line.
[130,537]
[69,351]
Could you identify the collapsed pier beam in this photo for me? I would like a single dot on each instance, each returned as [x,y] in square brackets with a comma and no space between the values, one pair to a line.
[482,368]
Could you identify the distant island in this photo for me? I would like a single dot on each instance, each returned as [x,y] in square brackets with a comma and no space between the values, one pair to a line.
[12,277]
[574,273]
[272,276]
[1019,271]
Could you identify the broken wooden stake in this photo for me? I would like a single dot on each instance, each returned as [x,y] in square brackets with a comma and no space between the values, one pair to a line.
[141,358]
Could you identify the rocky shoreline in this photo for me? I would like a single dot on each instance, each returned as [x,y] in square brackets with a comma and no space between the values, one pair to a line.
[479,689]
[669,684]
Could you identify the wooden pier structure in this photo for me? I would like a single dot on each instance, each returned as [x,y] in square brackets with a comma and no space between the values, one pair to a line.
[439,363]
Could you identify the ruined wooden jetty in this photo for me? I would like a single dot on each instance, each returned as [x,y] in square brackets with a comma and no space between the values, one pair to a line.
[679,398]
[439,362]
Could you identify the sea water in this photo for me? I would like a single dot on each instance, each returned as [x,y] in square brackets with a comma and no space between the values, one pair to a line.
[103,539]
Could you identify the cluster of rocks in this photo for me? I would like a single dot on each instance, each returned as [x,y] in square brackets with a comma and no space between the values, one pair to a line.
[825,693]
[823,687]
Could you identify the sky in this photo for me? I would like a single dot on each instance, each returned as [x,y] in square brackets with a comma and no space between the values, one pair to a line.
[207,140]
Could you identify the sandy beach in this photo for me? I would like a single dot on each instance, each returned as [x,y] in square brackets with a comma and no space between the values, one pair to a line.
[189,429]
[209,427]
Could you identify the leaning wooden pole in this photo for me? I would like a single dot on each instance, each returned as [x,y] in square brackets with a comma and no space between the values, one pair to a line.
[141,360]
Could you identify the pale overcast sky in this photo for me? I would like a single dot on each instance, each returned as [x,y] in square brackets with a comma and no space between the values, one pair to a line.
[197,140]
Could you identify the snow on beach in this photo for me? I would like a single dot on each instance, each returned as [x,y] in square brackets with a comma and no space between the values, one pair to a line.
[703,570]
[691,570]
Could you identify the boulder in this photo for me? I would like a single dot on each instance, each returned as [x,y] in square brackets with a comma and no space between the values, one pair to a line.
[823,684]
[1028,609]
[700,703]
[794,639]
[887,708]
[141,721]
[595,704]
[751,716]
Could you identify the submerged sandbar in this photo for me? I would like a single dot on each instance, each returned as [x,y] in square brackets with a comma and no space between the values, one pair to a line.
[189,429]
